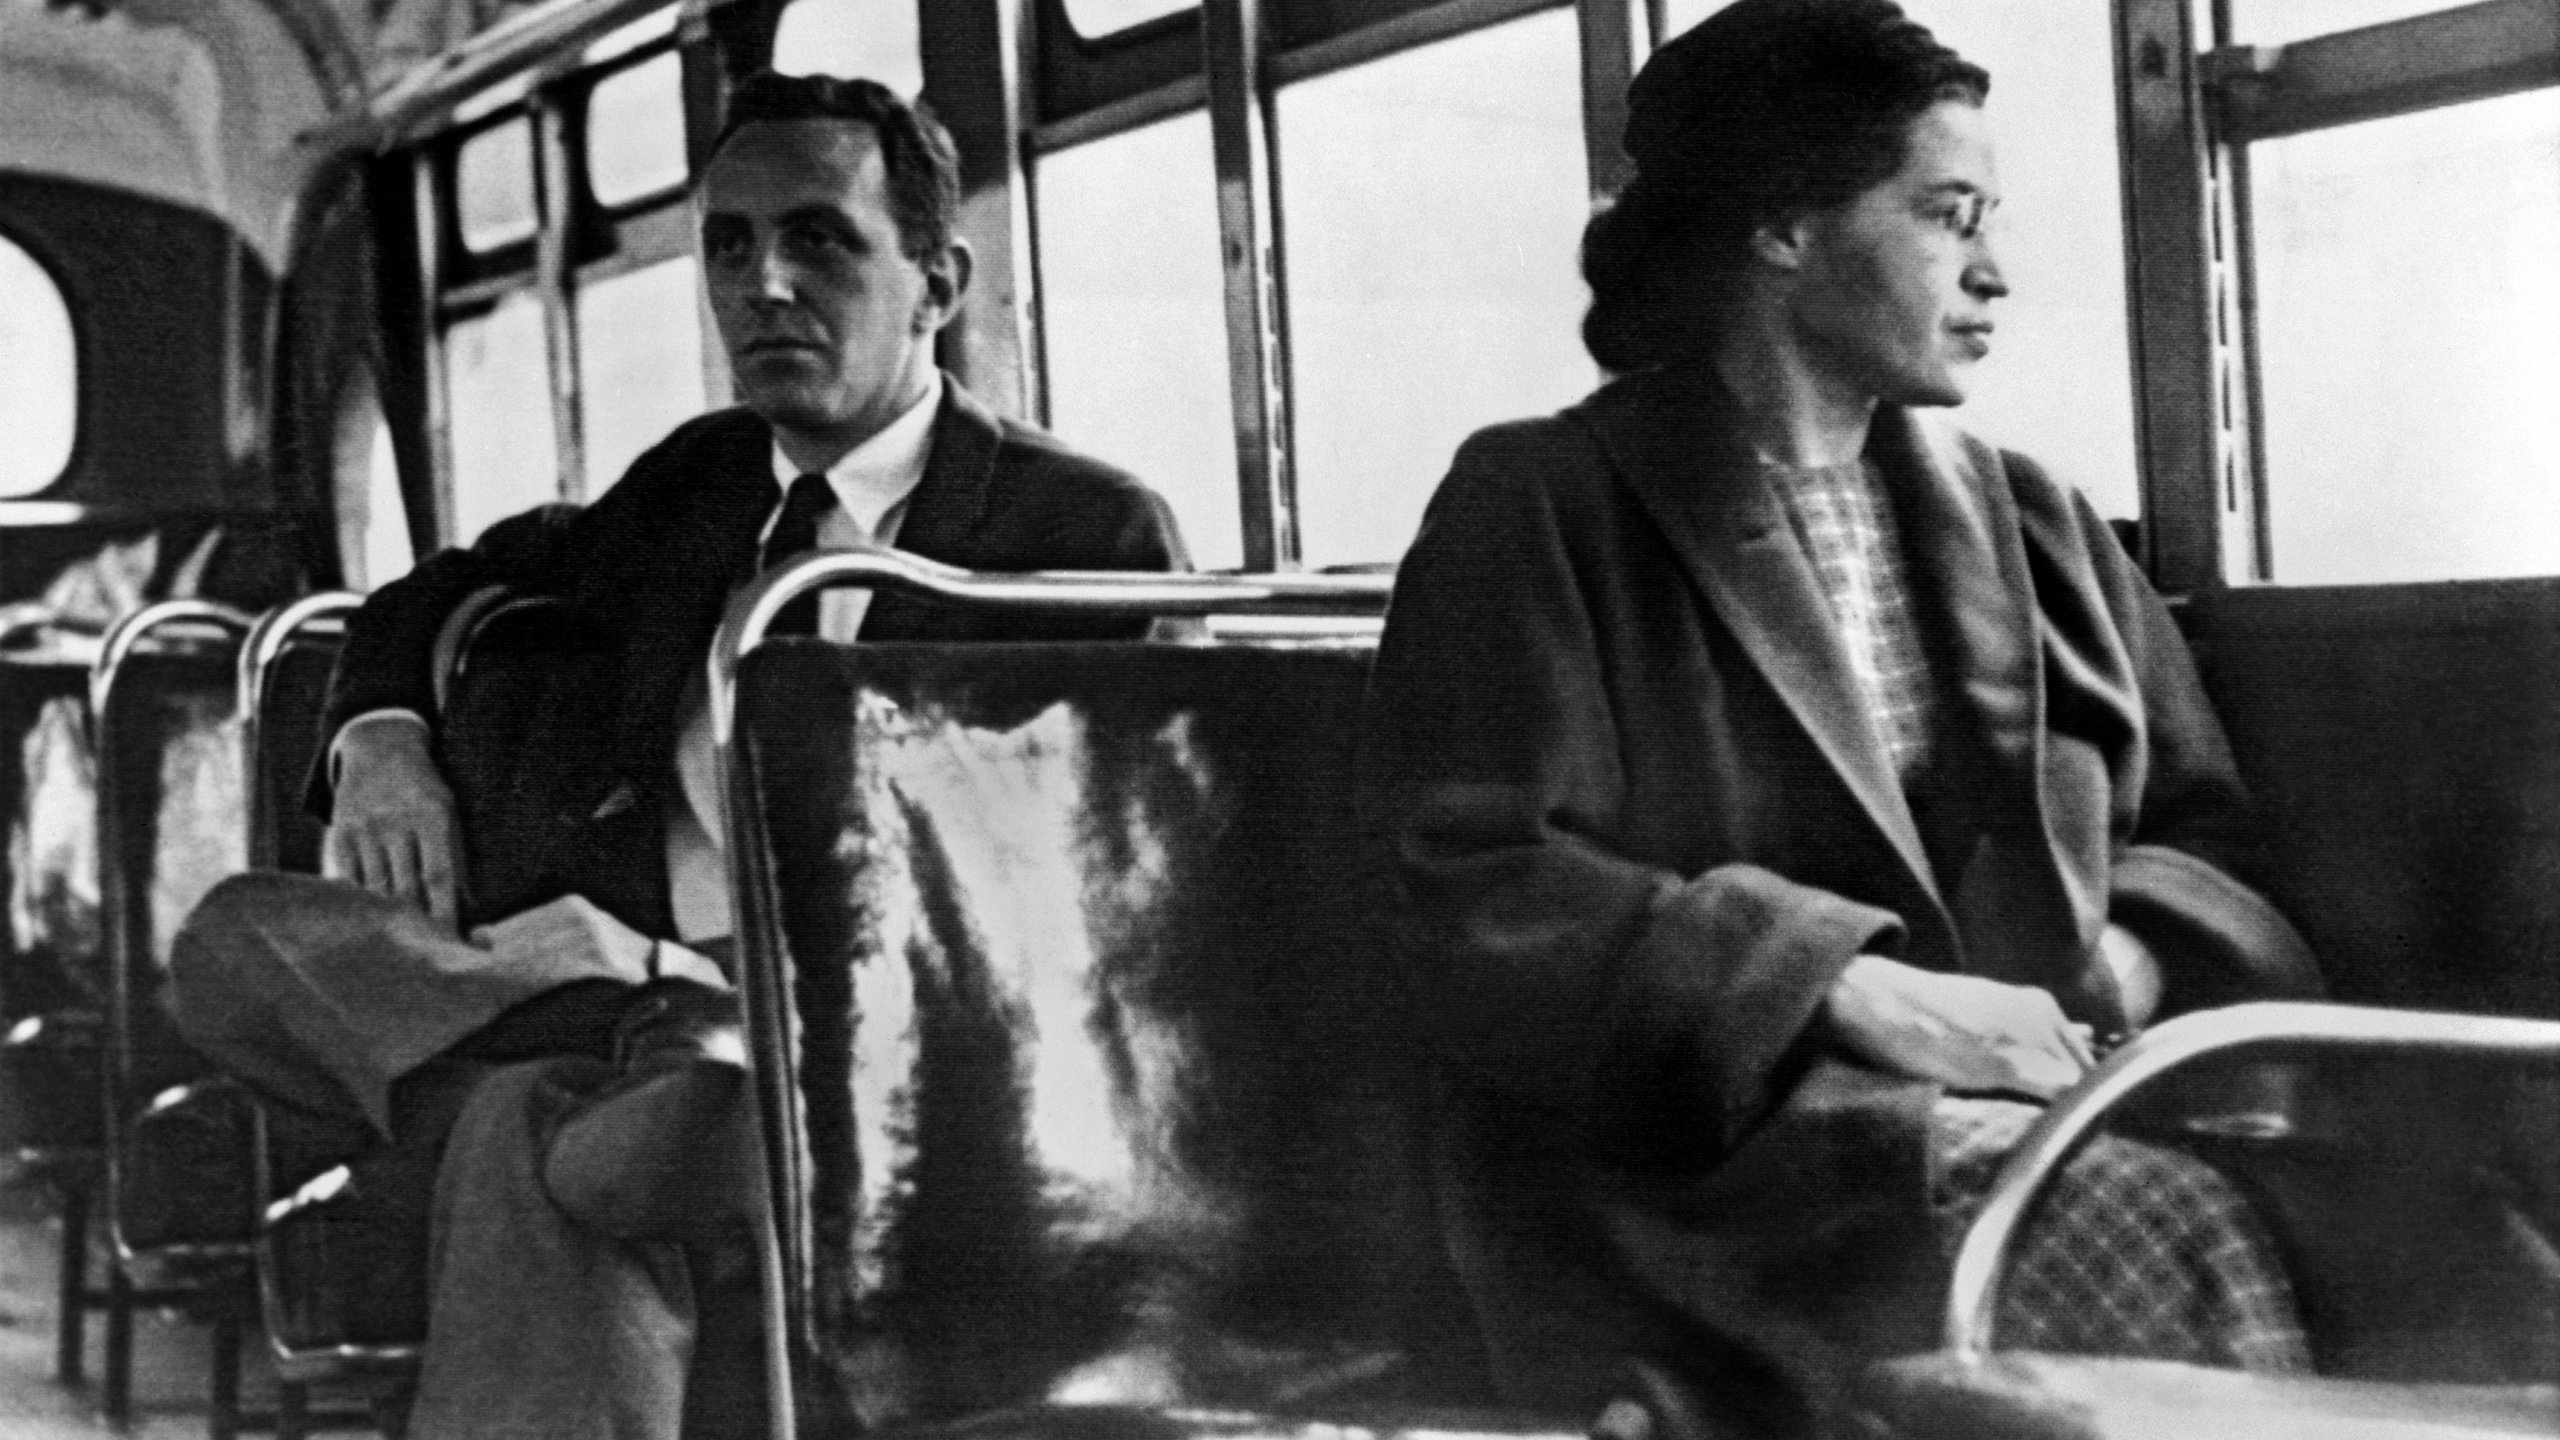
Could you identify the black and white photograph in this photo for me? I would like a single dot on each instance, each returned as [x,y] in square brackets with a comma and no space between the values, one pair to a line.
[1280,719]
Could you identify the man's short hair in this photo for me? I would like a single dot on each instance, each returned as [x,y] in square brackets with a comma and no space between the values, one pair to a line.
[923,165]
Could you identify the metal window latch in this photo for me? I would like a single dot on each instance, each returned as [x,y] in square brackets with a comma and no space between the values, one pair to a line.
[2237,66]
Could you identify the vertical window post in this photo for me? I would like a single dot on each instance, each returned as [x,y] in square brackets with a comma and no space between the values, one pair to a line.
[555,197]
[974,69]
[1608,63]
[1231,38]
[706,99]
[428,491]
[2179,331]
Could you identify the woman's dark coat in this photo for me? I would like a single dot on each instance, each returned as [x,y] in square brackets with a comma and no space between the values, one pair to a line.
[1642,821]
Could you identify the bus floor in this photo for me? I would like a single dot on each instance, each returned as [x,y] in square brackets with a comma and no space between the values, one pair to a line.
[170,1354]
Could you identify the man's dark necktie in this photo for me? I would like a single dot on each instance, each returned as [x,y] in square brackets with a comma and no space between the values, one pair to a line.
[796,530]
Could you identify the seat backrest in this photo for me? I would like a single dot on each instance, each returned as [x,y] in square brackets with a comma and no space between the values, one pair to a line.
[285,835]
[1104,1078]
[2415,845]
[48,791]
[172,812]
[500,655]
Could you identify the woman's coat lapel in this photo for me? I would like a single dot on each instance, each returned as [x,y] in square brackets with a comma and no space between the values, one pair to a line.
[2021,904]
[1713,501]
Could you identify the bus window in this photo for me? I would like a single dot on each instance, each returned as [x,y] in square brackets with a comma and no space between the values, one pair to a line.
[499,379]
[40,405]
[2059,382]
[2281,22]
[2409,343]
[496,199]
[373,526]
[868,39]
[1434,203]
[387,551]
[1134,323]
[639,362]
[1096,18]
[635,132]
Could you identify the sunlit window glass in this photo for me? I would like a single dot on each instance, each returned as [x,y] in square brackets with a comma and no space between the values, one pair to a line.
[1094,18]
[856,39]
[1134,305]
[40,403]
[1434,203]
[496,186]
[1679,15]
[387,552]
[656,25]
[635,132]
[639,363]
[2281,22]
[2409,330]
[2059,382]
[503,456]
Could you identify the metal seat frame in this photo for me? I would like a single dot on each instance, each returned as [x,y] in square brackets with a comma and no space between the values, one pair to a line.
[2263,1030]
[180,626]
[312,618]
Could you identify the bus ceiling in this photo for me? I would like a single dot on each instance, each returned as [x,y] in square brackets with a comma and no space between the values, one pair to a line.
[228,106]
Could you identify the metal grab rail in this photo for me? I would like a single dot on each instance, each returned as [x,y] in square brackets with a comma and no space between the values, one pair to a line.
[218,622]
[324,612]
[2173,1045]
[782,1249]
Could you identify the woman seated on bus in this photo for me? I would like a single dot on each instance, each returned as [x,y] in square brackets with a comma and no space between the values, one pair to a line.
[1791,790]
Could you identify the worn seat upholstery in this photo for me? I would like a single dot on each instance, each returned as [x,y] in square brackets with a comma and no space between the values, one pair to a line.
[1104,1086]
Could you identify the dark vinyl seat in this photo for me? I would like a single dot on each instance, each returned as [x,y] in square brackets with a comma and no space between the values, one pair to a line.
[1090,1091]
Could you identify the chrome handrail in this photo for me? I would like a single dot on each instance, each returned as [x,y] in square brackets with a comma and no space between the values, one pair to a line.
[274,634]
[279,628]
[131,630]
[2173,1045]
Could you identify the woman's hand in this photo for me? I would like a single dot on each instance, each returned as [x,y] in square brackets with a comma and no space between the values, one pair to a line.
[1962,1031]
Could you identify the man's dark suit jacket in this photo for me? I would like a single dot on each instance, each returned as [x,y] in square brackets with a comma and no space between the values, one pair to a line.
[647,570]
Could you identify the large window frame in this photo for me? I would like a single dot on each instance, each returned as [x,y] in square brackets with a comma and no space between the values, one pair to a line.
[1016,82]
[1231,58]
[578,241]
[2194,97]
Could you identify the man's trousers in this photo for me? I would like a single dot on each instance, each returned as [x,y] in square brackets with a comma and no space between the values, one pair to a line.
[321,997]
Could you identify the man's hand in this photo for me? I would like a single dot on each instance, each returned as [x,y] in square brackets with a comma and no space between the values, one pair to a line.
[1963,1031]
[393,829]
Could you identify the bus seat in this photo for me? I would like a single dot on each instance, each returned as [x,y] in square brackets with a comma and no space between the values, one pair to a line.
[1103,1107]
[338,1311]
[169,824]
[2462,1262]
[1101,1066]
[2402,741]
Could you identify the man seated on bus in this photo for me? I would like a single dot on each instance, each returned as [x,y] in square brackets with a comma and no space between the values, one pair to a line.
[589,1074]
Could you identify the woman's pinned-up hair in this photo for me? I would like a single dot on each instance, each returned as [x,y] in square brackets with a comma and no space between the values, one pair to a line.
[1766,109]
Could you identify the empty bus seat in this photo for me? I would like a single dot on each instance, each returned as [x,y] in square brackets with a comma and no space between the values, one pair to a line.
[1101,1091]
[2437,1321]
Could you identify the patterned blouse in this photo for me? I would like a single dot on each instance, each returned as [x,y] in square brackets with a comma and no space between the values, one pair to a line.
[1843,517]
